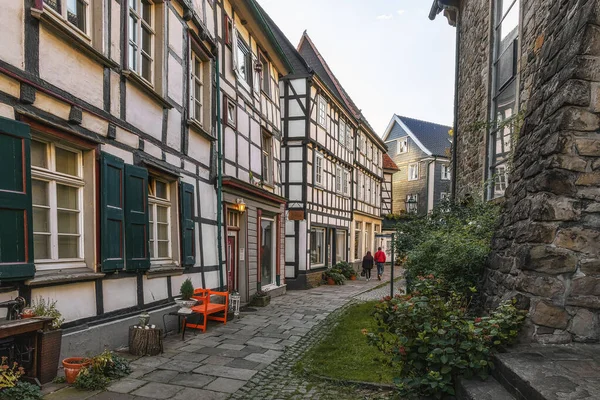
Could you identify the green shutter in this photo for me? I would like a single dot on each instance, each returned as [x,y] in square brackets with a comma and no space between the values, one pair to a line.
[136,218]
[16,223]
[112,233]
[186,207]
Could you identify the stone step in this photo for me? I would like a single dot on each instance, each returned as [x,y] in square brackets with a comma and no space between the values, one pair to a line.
[475,389]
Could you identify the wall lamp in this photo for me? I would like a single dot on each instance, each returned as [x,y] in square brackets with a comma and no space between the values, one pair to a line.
[240,205]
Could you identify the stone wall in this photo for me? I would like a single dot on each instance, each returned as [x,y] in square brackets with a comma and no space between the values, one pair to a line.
[546,252]
[473,84]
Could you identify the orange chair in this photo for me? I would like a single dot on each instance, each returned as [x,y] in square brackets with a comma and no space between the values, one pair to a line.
[207,309]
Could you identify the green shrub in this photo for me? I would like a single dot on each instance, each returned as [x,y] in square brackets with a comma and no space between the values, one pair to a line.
[22,391]
[187,289]
[452,243]
[345,269]
[335,274]
[88,379]
[103,368]
[431,340]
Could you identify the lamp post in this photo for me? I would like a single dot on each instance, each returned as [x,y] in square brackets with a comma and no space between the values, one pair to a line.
[389,236]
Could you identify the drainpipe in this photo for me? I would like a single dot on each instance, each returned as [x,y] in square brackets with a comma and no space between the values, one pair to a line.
[455,125]
[219,178]
[428,176]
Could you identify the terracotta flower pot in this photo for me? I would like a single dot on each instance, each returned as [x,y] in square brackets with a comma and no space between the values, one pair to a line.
[73,366]
[330,281]
[352,277]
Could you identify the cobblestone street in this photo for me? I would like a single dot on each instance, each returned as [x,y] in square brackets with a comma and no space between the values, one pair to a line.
[249,358]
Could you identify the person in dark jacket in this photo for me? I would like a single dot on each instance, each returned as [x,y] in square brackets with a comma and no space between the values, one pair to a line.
[367,264]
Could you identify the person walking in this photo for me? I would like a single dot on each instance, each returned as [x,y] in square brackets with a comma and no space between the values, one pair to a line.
[367,265]
[379,260]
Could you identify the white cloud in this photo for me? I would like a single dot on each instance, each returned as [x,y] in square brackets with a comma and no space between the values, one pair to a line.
[400,12]
[384,16]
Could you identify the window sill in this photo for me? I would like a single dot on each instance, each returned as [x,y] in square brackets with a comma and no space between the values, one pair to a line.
[143,85]
[43,278]
[198,128]
[161,271]
[75,38]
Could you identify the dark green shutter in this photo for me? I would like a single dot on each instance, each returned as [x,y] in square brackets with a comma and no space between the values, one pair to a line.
[112,228]
[136,218]
[186,207]
[16,222]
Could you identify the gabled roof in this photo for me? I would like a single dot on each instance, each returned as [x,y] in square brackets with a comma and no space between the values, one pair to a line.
[388,163]
[299,66]
[433,139]
[315,60]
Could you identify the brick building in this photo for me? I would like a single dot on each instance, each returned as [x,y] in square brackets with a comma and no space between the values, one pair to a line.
[527,121]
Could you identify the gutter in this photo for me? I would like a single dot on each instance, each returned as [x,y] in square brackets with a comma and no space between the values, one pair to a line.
[219,177]
[455,125]
[428,178]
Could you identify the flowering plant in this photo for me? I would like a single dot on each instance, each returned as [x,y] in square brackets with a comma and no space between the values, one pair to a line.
[9,375]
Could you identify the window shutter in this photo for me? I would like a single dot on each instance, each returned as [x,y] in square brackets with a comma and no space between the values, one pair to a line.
[136,218]
[188,238]
[255,75]
[16,222]
[234,47]
[112,241]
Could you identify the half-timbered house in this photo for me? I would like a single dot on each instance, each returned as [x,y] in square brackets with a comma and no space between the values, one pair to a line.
[251,63]
[388,225]
[107,202]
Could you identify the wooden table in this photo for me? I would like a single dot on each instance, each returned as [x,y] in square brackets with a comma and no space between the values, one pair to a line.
[27,326]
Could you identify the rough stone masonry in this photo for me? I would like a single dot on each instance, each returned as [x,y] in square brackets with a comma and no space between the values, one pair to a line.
[546,251]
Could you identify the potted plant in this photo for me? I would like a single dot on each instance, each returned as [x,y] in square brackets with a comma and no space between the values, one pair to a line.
[186,291]
[260,299]
[50,340]
[334,276]
[73,366]
[347,270]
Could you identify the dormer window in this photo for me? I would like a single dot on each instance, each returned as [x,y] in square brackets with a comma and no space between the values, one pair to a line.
[402,145]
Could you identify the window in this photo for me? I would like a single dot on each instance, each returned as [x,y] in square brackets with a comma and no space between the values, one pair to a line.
[57,196]
[340,246]
[233,219]
[367,241]
[159,209]
[359,186]
[317,247]
[228,30]
[444,196]
[345,183]
[358,241]
[318,169]
[412,203]
[338,180]
[267,251]
[267,158]
[197,89]
[504,73]
[75,12]
[141,38]
[266,75]
[230,112]
[244,62]
[376,194]
[413,172]
[445,172]
[367,189]
[402,145]
[342,133]
[359,144]
[349,142]
[322,112]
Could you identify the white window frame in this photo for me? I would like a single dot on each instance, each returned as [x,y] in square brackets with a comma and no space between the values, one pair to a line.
[345,182]
[63,14]
[197,79]
[135,42]
[344,253]
[413,171]
[349,142]
[320,262]
[446,172]
[153,203]
[319,170]
[338,180]
[322,111]
[54,178]
[241,46]
[273,223]
[267,154]
[358,247]
[359,186]
[402,145]
[342,133]
[416,206]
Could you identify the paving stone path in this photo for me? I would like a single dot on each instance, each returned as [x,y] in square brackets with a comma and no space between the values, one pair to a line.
[249,358]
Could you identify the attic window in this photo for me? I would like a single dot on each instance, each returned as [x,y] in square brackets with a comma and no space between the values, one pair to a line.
[402,145]
[228,30]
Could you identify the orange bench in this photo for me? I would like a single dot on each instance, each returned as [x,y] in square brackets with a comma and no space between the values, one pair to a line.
[207,309]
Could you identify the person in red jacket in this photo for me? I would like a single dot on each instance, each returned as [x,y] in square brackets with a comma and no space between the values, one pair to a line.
[379,260]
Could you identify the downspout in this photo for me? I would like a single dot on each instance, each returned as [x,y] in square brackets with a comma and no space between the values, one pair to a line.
[455,125]
[219,179]
[428,176]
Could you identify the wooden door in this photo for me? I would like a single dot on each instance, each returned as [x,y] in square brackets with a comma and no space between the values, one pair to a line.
[232,252]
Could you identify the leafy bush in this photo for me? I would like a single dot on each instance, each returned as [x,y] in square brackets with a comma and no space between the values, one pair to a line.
[88,379]
[452,243]
[335,274]
[47,308]
[9,375]
[345,269]
[187,289]
[103,368]
[431,340]
[22,391]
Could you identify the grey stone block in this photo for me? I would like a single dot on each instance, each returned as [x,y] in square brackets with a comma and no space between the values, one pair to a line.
[157,390]
[192,380]
[126,385]
[225,385]
[226,372]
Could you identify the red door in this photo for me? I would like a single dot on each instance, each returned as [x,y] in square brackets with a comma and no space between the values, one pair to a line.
[231,264]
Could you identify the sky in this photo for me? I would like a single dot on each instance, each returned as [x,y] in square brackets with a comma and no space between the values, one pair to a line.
[387,54]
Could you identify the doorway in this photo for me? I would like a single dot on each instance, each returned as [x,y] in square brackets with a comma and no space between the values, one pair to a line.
[232,262]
